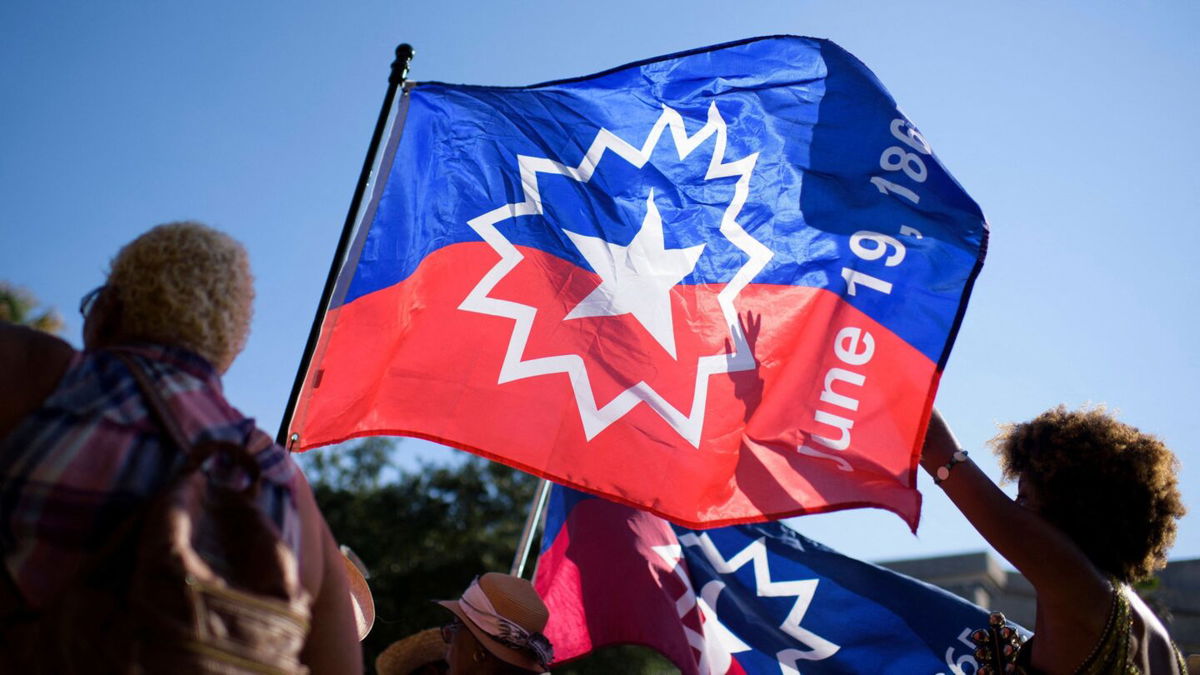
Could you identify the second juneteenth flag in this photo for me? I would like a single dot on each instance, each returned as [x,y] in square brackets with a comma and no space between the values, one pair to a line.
[738,600]
[718,285]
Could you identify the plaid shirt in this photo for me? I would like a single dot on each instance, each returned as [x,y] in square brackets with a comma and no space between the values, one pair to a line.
[83,462]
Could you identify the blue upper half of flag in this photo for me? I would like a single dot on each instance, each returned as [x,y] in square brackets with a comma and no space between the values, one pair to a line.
[839,183]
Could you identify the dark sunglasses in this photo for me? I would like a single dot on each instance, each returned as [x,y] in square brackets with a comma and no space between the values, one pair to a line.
[450,629]
[85,304]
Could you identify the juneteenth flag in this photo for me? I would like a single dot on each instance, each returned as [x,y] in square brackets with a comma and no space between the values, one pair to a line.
[719,285]
[743,599]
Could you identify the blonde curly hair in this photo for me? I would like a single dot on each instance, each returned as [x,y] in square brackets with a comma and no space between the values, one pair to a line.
[185,284]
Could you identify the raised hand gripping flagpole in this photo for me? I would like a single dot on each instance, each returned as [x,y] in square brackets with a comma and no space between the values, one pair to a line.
[399,71]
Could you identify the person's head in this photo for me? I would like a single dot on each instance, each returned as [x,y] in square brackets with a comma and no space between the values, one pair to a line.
[1109,487]
[497,628]
[421,653]
[182,284]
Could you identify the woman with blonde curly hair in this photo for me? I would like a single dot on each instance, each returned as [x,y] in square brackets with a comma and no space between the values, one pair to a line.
[182,284]
[1096,506]
[81,452]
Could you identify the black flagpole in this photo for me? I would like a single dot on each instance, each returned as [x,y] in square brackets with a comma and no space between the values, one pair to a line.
[399,72]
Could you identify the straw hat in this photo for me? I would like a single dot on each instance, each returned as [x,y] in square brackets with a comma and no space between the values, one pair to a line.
[507,617]
[404,656]
[360,593]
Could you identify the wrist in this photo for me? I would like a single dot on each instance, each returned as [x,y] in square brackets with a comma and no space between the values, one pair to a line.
[942,472]
[940,443]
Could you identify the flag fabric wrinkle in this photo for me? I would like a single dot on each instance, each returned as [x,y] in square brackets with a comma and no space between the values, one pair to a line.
[739,269]
[757,598]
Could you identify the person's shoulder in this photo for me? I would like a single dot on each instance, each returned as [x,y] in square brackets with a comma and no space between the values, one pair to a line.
[1144,614]
[1156,652]
[32,363]
[229,423]
[24,349]
[276,462]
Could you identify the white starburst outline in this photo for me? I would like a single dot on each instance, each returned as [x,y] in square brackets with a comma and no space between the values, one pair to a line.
[714,643]
[595,419]
[803,590]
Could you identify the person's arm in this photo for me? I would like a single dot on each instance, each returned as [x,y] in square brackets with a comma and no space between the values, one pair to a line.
[1066,581]
[332,646]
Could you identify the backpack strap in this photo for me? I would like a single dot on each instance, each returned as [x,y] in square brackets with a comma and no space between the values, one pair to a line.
[197,453]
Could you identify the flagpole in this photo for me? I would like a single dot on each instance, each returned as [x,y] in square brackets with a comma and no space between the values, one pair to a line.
[399,71]
[535,514]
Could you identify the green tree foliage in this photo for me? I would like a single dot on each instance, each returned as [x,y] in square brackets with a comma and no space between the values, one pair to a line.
[426,534]
[19,306]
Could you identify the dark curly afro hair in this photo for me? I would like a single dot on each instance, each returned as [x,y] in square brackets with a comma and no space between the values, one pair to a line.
[1108,486]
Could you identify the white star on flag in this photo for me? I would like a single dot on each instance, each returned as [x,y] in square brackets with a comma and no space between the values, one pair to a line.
[636,279]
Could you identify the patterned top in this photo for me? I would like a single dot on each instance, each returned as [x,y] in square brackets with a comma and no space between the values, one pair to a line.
[1117,651]
[1111,654]
[83,462]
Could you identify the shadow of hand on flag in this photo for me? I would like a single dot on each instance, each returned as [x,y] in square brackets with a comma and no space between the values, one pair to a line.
[762,459]
[747,384]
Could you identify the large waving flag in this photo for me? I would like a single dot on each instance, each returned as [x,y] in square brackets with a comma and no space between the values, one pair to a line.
[743,599]
[719,285]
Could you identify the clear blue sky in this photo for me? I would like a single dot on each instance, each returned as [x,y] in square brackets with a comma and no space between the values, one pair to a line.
[1073,124]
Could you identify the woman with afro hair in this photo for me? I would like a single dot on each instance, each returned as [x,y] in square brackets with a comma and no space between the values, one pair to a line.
[1096,506]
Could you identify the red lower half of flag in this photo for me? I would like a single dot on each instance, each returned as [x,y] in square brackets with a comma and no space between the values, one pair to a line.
[609,585]
[778,401]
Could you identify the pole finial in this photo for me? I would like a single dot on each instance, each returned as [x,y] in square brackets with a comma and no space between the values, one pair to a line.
[404,54]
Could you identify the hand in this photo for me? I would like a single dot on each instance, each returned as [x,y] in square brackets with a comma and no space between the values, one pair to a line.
[940,443]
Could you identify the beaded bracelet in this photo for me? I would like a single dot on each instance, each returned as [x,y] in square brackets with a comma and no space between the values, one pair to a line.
[943,471]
